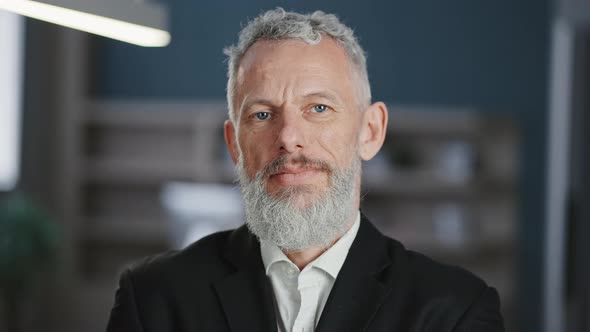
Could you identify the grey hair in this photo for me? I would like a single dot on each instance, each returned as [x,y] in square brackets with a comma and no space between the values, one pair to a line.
[278,24]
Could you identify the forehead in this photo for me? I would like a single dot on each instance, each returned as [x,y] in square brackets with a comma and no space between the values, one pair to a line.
[326,52]
[270,64]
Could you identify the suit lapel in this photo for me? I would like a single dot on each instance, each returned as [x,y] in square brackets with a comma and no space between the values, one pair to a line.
[359,289]
[245,295]
[368,276]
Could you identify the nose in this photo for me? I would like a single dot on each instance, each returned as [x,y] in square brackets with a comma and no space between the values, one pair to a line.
[291,138]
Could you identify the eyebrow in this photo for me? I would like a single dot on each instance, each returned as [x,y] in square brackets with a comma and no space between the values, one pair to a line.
[261,101]
[324,95]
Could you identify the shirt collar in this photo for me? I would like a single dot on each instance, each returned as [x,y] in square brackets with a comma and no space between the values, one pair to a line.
[330,261]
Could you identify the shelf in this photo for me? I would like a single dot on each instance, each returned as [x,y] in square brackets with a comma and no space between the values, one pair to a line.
[469,251]
[413,185]
[146,172]
[155,114]
[416,121]
[127,231]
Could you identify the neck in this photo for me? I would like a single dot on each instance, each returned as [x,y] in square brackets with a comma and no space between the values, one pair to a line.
[306,256]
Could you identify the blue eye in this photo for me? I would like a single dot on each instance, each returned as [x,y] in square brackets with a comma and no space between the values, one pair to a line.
[262,115]
[320,108]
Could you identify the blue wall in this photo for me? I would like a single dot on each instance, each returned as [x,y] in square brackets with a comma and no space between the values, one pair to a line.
[492,55]
[484,53]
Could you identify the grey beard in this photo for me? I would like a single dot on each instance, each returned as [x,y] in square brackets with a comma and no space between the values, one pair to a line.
[278,220]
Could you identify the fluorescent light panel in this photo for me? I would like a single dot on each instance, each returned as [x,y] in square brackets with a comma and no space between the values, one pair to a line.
[99,25]
[11,44]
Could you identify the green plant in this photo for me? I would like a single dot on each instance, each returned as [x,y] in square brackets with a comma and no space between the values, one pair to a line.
[28,245]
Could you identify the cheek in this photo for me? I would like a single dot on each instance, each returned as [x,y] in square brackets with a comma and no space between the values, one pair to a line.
[339,142]
[253,150]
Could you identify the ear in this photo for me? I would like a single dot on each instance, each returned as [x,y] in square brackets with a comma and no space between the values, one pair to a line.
[229,132]
[373,130]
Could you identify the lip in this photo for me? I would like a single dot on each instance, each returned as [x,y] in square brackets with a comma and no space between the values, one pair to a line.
[290,176]
[288,170]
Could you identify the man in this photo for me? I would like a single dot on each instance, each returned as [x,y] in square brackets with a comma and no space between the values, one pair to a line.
[300,122]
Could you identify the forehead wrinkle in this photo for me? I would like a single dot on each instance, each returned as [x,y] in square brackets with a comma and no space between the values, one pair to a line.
[270,91]
[254,69]
[257,95]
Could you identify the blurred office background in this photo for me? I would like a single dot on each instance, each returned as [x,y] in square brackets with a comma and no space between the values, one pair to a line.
[111,151]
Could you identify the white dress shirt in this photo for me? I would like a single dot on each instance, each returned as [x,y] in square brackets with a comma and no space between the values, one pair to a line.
[300,296]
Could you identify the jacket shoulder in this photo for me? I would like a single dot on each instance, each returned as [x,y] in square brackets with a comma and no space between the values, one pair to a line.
[204,255]
[429,279]
[437,295]
[156,291]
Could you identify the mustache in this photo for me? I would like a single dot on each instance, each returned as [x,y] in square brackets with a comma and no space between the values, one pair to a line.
[283,160]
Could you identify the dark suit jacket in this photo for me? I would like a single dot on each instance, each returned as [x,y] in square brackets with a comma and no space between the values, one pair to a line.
[219,284]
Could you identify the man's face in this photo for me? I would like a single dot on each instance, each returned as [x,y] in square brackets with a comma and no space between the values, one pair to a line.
[295,102]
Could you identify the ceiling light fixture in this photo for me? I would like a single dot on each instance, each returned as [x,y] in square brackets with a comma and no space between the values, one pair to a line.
[136,22]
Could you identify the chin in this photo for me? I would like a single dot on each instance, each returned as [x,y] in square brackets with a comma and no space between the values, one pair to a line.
[301,196]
